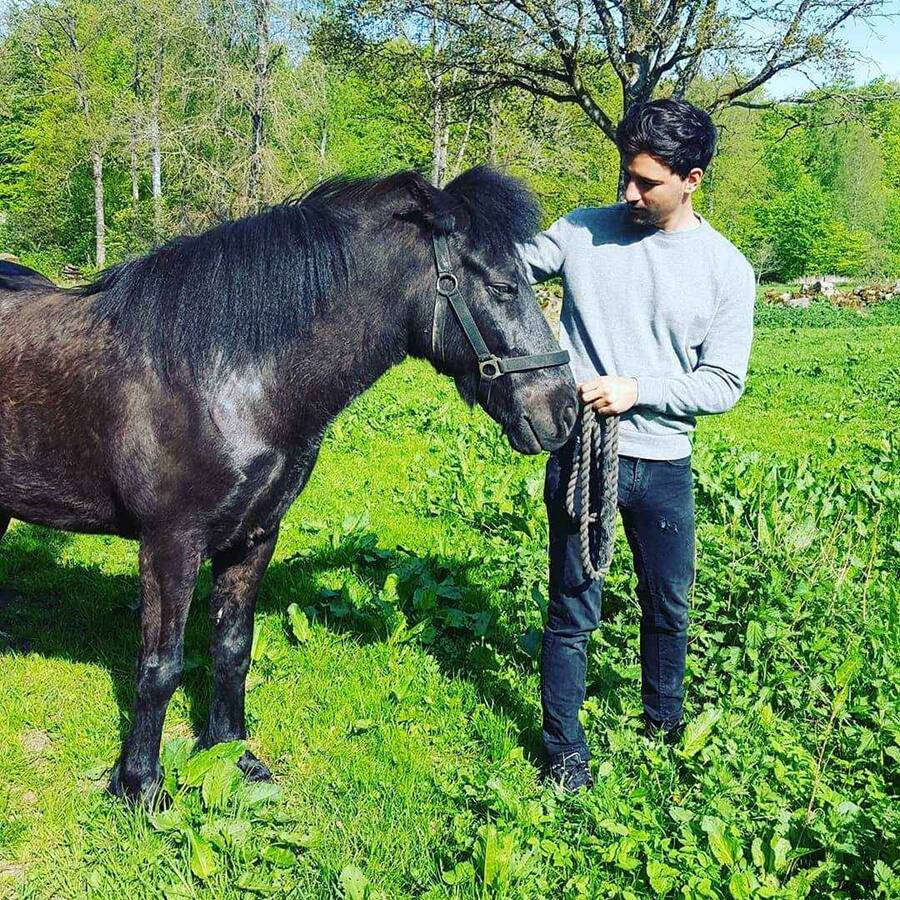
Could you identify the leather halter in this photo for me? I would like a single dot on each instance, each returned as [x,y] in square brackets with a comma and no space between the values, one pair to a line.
[490,366]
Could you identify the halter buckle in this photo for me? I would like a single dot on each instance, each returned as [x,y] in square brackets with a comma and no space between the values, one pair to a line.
[490,368]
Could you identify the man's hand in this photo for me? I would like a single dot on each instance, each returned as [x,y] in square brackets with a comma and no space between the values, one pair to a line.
[609,395]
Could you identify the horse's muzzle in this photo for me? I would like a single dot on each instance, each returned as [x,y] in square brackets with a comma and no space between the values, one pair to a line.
[553,433]
[535,432]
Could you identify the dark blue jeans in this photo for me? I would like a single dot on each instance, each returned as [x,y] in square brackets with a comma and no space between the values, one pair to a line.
[656,502]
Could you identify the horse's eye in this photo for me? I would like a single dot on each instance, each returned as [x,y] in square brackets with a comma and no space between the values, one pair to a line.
[502,291]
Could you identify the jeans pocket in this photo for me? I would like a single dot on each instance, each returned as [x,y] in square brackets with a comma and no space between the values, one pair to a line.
[678,463]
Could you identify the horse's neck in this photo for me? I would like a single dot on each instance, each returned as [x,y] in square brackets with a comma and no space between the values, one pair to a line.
[346,351]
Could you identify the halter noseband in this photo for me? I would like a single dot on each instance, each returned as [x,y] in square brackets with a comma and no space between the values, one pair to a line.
[490,366]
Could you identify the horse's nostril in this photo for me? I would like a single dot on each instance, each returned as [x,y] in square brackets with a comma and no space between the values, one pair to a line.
[564,420]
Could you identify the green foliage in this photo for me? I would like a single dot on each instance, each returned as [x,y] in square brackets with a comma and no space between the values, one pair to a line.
[807,200]
[839,251]
[890,233]
[227,827]
[394,684]
[798,221]
[822,314]
[797,194]
[370,130]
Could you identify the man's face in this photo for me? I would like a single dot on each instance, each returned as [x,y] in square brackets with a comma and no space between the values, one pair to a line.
[653,192]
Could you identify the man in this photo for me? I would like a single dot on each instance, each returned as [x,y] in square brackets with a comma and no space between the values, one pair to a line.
[657,316]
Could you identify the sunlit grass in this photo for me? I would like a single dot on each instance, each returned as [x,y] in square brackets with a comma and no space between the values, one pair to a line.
[399,751]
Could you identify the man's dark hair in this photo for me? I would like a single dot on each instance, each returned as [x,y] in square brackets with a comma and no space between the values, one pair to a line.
[675,131]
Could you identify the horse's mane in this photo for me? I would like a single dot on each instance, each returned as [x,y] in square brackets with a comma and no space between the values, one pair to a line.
[502,211]
[251,285]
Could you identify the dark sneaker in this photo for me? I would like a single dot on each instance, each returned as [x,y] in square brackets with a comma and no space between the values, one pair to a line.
[570,771]
[670,736]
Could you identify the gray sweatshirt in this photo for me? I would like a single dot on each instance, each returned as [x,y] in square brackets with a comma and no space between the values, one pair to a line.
[674,310]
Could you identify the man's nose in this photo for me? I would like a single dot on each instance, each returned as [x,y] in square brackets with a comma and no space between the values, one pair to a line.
[632,194]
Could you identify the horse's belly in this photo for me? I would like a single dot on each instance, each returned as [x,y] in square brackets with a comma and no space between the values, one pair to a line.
[58,506]
[55,475]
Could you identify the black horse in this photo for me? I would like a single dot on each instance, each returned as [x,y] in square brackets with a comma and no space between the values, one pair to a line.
[181,398]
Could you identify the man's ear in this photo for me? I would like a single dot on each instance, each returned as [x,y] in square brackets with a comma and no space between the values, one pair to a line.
[692,182]
[440,212]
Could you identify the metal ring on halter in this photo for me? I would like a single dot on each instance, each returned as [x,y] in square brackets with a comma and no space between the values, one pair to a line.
[444,277]
[490,368]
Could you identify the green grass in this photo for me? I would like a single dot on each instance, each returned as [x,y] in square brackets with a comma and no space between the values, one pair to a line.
[403,728]
[809,386]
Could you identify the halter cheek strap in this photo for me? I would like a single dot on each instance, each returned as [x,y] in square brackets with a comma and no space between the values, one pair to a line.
[447,293]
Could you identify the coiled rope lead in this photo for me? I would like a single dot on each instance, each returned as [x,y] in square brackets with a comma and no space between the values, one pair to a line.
[596,454]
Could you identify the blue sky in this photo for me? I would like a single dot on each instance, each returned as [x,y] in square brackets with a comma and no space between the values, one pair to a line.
[880,42]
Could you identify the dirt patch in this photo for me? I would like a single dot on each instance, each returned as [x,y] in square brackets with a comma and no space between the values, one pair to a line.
[35,741]
[14,871]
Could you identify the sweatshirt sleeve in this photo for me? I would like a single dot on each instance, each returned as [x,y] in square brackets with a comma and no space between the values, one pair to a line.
[717,381]
[544,254]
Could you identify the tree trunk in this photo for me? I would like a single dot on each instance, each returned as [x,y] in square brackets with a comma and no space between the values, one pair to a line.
[440,130]
[258,109]
[155,137]
[631,94]
[99,215]
[464,143]
[623,182]
[135,118]
[440,137]
[494,132]
[79,81]
[135,177]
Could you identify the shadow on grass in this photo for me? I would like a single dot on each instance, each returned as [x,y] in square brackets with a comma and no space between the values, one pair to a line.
[73,610]
[482,656]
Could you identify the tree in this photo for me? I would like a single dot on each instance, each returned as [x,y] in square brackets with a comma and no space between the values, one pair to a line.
[78,61]
[417,45]
[204,109]
[561,49]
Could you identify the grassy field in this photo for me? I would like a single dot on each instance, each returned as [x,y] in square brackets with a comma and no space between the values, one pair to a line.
[394,689]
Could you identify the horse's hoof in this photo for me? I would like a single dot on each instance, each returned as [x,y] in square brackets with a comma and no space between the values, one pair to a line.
[253,768]
[147,792]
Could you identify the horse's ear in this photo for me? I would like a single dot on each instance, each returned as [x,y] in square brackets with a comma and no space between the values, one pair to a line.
[441,212]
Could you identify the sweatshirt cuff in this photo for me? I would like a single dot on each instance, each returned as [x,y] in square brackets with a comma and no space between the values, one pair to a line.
[650,392]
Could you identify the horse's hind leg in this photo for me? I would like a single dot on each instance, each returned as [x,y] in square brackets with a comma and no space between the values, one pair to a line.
[4,524]
[169,564]
[236,577]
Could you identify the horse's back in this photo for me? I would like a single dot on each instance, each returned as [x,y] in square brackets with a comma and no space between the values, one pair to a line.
[96,439]
[16,277]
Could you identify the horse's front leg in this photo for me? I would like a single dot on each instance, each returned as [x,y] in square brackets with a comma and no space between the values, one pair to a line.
[236,575]
[168,563]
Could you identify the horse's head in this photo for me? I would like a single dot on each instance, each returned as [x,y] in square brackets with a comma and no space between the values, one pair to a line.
[474,225]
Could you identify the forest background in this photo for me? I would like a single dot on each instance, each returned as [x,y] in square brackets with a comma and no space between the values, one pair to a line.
[122,125]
